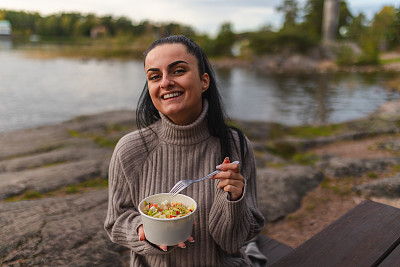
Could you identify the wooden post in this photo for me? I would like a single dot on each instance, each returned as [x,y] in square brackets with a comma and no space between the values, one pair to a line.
[330,21]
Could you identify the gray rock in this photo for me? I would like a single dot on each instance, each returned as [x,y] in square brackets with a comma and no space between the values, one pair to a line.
[50,178]
[386,187]
[58,232]
[336,167]
[393,146]
[280,192]
[58,156]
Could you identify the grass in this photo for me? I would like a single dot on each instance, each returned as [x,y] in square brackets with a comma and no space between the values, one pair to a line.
[93,184]
[396,168]
[101,140]
[309,132]
[389,60]
[291,153]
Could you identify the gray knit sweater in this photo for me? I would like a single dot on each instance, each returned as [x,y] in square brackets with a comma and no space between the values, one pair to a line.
[177,152]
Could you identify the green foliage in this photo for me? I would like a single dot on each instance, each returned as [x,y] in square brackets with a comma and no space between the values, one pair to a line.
[301,31]
[313,17]
[345,56]
[306,131]
[305,158]
[97,183]
[99,139]
[370,51]
[222,45]
[290,9]
[282,149]
[72,189]
[290,40]
[383,27]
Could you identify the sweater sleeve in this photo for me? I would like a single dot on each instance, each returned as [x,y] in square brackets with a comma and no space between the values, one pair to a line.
[234,222]
[123,218]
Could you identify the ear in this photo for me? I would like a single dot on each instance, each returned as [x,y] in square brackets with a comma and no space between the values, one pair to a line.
[205,82]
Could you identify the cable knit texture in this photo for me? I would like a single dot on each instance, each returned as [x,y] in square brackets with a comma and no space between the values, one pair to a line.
[176,152]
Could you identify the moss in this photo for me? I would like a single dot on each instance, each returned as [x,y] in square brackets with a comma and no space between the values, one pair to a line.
[27,195]
[101,140]
[396,168]
[115,127]
[277,131]
[282,149]
[72,189]
[342,186]
[372,175]
[74,133]
[305,158]
[55,163]
[275,165]
[97,184]
[316,131]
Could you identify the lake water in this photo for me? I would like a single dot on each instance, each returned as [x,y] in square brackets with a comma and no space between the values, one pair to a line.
[36,92]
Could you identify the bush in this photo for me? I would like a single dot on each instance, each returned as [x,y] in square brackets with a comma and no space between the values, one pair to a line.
[284,41]
[345,55]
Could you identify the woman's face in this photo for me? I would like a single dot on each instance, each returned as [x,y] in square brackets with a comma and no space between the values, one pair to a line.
[174,82]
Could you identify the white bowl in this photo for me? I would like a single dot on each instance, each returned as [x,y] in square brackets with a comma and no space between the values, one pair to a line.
[168,232]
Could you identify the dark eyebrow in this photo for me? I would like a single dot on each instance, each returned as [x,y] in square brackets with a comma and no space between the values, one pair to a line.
[169,66]
[176,63]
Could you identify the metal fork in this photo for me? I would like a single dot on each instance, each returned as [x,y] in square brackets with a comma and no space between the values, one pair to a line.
[182,184]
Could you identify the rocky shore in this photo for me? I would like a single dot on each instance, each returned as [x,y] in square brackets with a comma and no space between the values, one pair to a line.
[53,193]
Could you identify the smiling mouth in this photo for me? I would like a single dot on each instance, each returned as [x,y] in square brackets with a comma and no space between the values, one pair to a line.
[171,95]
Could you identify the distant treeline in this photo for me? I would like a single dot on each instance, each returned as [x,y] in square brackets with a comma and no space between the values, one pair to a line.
[300,32]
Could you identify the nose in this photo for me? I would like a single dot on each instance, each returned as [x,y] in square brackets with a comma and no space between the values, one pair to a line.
[166,82]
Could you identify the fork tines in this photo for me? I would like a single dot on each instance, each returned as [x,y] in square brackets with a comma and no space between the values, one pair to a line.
[177,188]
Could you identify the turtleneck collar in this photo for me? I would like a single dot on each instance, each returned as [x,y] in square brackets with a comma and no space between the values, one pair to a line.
[185,134]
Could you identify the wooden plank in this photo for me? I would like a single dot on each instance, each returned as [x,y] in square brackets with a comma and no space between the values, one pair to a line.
[393,259]
[272,249]
[362,237]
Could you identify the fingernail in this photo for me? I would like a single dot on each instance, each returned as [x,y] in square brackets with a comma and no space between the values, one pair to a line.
[164,249]
[141,238]
[218,167]
[183,247]
[191,241]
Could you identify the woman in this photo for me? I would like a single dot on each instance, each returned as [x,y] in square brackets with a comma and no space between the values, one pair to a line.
[182,135]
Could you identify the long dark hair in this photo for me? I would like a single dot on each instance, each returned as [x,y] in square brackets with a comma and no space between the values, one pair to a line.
[147,114]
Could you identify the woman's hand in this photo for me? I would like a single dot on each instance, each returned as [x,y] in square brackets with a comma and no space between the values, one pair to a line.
[142,237]
[230,179]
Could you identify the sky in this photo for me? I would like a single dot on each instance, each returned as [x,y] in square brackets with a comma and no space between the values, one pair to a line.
[205,16]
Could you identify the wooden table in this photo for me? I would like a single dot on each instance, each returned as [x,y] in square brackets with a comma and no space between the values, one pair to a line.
[367,235]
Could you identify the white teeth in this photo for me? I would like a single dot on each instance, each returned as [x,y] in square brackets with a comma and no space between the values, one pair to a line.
[167,96]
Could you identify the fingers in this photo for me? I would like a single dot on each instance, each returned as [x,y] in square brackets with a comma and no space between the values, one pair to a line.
[164,248]
[228,166]
[142,237]
[230,179]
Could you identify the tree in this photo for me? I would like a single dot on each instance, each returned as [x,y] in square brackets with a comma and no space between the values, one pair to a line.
[225,40]
[356,28]
[312,24]
[382,27]
[290,10]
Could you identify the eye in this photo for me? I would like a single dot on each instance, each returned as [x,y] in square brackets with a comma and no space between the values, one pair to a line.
[153,77]
[179,71]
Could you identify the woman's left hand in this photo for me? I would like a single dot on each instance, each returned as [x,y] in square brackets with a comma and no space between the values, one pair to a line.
[230,179]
